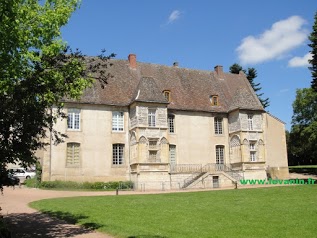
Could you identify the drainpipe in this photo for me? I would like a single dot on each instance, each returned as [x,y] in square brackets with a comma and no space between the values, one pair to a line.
[50,167]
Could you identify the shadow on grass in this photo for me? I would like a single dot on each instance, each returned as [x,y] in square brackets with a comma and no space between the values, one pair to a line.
[47,225]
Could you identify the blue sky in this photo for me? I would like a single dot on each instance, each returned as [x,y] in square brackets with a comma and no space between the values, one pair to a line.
[270,36]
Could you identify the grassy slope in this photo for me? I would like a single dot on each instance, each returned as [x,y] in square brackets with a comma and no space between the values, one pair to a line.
[266,212]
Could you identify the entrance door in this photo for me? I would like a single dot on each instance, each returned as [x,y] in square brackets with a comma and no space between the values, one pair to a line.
[215,181]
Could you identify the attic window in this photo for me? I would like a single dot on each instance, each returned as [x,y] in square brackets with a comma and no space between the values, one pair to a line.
[214,100]
[167,95]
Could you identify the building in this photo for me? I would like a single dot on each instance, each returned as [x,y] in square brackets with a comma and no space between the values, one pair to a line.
[166,127]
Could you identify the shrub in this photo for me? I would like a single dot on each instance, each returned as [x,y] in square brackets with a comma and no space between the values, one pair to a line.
[57,184]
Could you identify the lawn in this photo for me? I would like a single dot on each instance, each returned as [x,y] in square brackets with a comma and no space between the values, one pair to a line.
[263,212]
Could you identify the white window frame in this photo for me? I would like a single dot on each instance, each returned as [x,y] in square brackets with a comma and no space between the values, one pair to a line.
[117,154]
[172,154]
[252,156]
[171,123]
[152,117]
[250,122]
[218,125]
[73,119]
[118,121]
[220,154]
[252,146]
[73,154]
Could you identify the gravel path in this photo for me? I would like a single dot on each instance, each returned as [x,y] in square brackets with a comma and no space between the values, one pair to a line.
[26,222]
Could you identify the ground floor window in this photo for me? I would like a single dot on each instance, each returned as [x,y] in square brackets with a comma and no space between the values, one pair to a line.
[73,156]
[117,154]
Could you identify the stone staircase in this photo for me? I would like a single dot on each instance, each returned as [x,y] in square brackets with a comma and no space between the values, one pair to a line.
[210,168]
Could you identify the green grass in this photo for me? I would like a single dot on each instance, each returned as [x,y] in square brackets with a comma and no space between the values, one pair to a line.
[264,212]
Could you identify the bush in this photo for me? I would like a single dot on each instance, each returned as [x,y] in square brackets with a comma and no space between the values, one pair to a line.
[57,184]
[303,170]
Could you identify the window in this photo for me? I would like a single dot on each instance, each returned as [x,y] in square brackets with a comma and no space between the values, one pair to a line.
[151,117]
[167,95]
[170,121]
[218,126]
[153,156]
[220,154]
[117,154]
[252,146]
[252,156]
[250,122]
[214,100]
[72,158]
[73,119]
[172,154]
[152,144]
[117,121]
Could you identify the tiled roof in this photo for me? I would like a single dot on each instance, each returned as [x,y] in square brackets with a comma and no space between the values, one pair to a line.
[189,89]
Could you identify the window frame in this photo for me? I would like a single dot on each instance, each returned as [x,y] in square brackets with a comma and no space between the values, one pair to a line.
[117,150]
[214,100]
[171,123]
[250,122]
[72,113]
[71,161]
[220,154]
[118,121]
[151,117]
[218,125]
[253,156]
[167,95]
[170,158]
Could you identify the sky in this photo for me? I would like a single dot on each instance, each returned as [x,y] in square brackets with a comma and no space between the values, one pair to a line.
[270,36]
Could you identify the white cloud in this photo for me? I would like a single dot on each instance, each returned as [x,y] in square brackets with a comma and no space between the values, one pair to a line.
[300,61]
[283,36]
[176,14]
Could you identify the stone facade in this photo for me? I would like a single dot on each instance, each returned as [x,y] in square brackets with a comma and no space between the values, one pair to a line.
[157,144]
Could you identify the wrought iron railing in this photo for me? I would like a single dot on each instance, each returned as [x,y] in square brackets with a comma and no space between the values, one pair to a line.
[185,168]
[210,168]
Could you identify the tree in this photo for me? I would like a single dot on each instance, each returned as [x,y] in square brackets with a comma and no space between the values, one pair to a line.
[303,136]
[38,70]
[251,74]
[313,61]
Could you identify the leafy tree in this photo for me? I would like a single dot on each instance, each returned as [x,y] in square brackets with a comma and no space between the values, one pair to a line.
[313,61]
[251,74]
[303,136]
[37,70]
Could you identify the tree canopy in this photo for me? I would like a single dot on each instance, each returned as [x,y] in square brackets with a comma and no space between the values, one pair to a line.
[38,70]
[303,136]
[251,74]
[313,61]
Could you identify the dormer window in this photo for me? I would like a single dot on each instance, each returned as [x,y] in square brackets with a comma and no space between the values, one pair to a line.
[214,100]
[167,95]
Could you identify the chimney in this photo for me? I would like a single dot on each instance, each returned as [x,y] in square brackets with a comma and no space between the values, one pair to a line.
[175,64]
[132,61]
[219,70]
